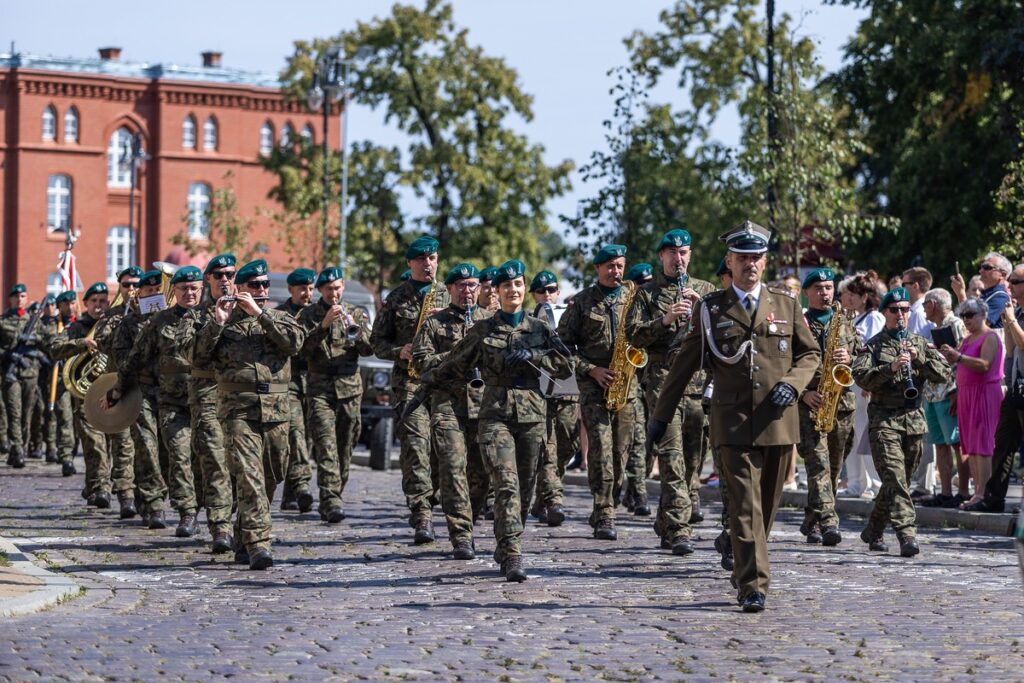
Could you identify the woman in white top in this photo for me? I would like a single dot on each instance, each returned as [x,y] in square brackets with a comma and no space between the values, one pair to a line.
[861,293]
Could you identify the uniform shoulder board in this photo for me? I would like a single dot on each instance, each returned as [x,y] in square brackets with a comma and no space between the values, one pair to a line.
[712,295]
[780,290]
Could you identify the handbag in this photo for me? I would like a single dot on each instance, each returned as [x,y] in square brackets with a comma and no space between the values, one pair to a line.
[1015,388]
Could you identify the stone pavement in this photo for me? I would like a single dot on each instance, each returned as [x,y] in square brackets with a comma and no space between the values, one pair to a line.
[358,601]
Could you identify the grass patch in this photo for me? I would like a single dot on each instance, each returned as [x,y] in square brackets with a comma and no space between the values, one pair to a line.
[4,562]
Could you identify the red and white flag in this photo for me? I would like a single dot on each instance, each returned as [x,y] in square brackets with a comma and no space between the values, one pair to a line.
[68,270]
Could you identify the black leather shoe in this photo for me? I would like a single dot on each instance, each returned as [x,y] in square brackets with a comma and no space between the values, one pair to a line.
[809,528]
[289,505]
[605,530]
[830,536]
[555,515]
[305,501]
[222,543]
[513,570]
[186,525]
[724,548]
[640,505]
[102,500]
[16,460]
[696,515]
[261,559]
[875,543]
[814,538]
[424,532]
[332,515]
[67,468]
[464,551]
[156,520]
[753,603]
[51,457]
[127,506]
[241,556]
[908,546]
[682,545]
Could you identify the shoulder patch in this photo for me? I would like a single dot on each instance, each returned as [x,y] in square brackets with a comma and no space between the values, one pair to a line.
[780,290]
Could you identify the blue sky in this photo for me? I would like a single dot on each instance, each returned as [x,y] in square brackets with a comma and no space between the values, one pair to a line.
[562,49]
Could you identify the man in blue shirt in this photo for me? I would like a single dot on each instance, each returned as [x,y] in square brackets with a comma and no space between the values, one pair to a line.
[993,271]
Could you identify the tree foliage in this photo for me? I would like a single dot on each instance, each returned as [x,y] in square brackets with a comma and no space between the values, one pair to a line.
[227,230]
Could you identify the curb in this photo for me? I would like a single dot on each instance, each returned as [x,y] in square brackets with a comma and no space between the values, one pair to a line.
[54,588]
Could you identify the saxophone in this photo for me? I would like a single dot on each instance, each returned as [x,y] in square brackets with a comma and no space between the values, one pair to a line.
[626,358]
[835,377]
[425,308]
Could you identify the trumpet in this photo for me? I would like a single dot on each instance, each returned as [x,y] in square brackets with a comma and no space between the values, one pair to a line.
[905,376]
[351,329]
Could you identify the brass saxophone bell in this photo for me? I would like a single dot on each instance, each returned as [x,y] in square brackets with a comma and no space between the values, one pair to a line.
[637,357]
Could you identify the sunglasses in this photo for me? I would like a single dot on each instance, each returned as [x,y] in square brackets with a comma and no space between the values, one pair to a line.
[967,316]
[222,274]
[258,284]
[130,285]
[899,310]
[550,289]
[1013,281]
[986,266]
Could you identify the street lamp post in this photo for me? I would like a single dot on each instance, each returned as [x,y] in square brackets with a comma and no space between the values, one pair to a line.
[325,90]
[133,155]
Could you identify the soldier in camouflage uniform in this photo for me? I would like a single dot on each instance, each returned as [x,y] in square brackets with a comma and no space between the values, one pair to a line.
[392,335]
[47,330]
[824,454]
[62,416]
[508,348]
[895,422]
[249,347]
[207,435]
[72,341]
[562,419]
[19,376]
[488,298]
[641,459]
[34,410]
[662,314]
[589,327]
[336,335]
[454,409]
[296,495]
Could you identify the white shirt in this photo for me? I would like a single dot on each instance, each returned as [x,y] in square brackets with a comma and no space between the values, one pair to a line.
[754,294]
[869,324]
[918,323]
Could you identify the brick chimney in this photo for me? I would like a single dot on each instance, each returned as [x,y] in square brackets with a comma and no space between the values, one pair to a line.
[211,59]
[110,54]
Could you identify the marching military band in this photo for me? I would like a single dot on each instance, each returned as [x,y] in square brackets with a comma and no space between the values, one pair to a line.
[193,394]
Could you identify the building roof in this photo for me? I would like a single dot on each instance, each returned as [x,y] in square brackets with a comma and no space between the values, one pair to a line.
[117,68]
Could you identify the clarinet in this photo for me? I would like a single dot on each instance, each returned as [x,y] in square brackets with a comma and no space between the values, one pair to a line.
[910,392]
[476,380]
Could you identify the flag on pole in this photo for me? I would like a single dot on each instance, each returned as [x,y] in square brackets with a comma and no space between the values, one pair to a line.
[68,271]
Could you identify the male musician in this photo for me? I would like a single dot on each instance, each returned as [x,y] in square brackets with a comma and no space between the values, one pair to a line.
[761,354]
[641,458]
[563,418]
[73,340]
[48,324]
[392,335]
[590,327]
[824,453]
[488,299]
[63,410]
[249,347]
[661,315]
[336,335]
[892,367]
[296,495]
[19,373]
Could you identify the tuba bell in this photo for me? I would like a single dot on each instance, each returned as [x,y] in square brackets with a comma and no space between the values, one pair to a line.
[82,369]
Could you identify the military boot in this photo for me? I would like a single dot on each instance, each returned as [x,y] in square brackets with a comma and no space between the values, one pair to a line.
[186,525]
[830,536]
[67,468]
[640,506]
[696,516]
[424,532]
[463,550]
[908,545]
[260,559]
[875,540]
[724,547]
[51,456]
[16,459]
[604,530]
[222,543]
[332,515]
[101,500]
[288,502]
[513,569]
[554,515]
[127,505]
[241,555]
[305,500]
[156,520]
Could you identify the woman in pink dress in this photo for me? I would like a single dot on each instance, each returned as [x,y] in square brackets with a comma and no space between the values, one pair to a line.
[979,374]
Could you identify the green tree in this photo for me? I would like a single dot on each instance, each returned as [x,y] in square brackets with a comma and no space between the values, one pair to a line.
[226,228]
[1008,236]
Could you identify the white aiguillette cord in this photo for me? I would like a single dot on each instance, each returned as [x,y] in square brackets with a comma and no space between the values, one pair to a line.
[745,347]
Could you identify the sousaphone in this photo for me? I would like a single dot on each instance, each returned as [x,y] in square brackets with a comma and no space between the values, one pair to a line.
[118,417]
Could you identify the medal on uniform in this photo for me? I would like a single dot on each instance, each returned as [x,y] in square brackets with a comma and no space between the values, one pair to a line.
[714,309]
[783,345]
[772,327]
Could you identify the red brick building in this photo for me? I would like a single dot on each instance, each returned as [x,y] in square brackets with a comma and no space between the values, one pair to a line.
[64,124]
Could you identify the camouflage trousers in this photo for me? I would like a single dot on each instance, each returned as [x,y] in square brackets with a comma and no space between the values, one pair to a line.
[418,461]
[59,429]
[823,456]
[299,470]
[121,452]
[208,448]
[510,453]
[94,451]
[609,439]
[334,424]
[35,420]
[680,456]
[17,404]
[895,456]
[637,463]
[150,486]
[184,473]
[461,472]
[258,456]
[563,436]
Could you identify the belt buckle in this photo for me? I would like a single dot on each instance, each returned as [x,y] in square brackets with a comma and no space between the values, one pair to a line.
[262,387]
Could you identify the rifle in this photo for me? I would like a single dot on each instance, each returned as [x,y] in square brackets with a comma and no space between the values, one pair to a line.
[22,355]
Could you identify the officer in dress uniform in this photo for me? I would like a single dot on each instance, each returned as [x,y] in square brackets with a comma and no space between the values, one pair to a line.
[761,355]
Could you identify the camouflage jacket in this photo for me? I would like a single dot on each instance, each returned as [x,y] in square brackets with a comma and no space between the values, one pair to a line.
[122,341]
[71,341]
[847,340]
[511,394]
[251,356]
[331,358]
[12,325]
[298,383]
[395,327]
[434,343]
[108,325]
[162,348]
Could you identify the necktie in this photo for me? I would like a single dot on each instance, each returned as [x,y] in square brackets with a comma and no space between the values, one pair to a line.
[748,304]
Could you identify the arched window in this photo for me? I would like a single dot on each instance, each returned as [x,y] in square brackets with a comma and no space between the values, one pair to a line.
[287,135]
[307,133]
[210,135]
[198,211]
[120,250]
[188,132]
[58,203]
[71,125]
[118,174]
[49,124]
[266,138]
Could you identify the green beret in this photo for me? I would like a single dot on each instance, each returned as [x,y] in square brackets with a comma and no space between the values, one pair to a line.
[487,274]
[219,261]
[675,238]
[328,275]
[301,276]
[49,300]
[509,270]
[420,246]
[250,270]
[97,288]
[894,296]
[17,289]
[406,275]
[723,269]
[66,297]
[747,238]
[542,280]
[130,271]
[32,307]
[463,271]
[187,274]
[818,275]
[608,252]
[150,278]
[640,272]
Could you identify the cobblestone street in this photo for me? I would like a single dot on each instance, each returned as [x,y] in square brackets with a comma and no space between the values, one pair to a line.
[358,601]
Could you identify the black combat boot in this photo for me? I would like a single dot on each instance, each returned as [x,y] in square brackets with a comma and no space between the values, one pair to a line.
[513,570]
[640,506]
[102,500]
[875,541]
[261,559]
[16,459]
[186,525]
[424,532]
[222,543]
[463,550]
[156,520]
[830,536]
[724,547]
[908,545]
[51,456]
[682,545]
[696,516]
[127,505]
[67,468]
[305,500]
[604,530]
[809,528]
[332,515]
[555,515]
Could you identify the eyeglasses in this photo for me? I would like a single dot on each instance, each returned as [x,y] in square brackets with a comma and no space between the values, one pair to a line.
[258,284]
[899,310]
[1014,281]
[967,315]
[551,289]
[468,285]
[223,274]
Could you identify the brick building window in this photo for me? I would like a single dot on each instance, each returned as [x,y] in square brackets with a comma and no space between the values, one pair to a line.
[198,211]
[188,132]
[287,136]
[210,135]
[58,203]
[266,138]
[307,134]
[49,124]
[120,250]
[54,283]
[118,174]
[71,125]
